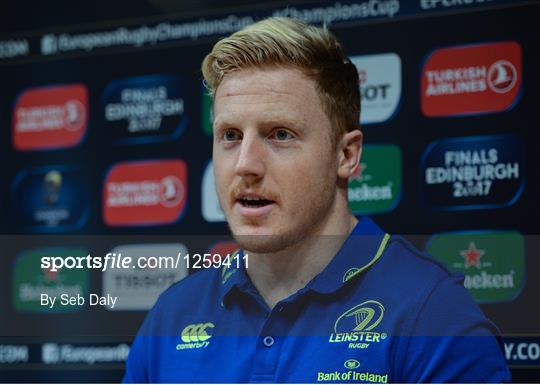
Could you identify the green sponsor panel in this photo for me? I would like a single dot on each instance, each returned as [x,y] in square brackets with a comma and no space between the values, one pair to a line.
[30,281]
[376,187]
[207,117]
[493,262]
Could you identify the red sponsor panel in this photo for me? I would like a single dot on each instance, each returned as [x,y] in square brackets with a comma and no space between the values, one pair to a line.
[224,248]
[145,193]
[471,79]
[52,117]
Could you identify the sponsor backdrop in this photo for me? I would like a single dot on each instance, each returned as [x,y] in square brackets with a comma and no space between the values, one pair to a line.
[107,130]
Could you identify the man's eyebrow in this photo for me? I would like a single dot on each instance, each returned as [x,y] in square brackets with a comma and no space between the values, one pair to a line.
[221,121]
[263,91]
[271,120]
[282,121]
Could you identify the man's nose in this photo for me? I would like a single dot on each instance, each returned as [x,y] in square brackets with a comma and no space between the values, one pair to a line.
[250,162]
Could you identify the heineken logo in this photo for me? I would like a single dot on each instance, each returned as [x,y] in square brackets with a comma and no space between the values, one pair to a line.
[490,281]
[472,256]
[375,186]
[30,281]
[493,262]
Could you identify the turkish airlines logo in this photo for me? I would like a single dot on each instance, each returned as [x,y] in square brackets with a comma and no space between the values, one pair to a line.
[472,79]
[502,76]
[145,193]
[171,191]
[50,117]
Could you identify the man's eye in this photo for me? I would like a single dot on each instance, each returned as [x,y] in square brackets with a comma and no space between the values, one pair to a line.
[231,135]
[281,135]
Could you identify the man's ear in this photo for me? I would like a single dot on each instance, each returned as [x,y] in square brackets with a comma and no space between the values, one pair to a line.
[349,153]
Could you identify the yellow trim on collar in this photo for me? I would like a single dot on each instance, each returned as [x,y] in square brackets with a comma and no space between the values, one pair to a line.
[357,270]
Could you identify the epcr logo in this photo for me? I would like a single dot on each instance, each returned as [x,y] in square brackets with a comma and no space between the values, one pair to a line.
[50,353]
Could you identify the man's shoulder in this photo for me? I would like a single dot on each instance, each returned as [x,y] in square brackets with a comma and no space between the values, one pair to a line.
[394,256]
[413,275]
[420,296]
[412,260]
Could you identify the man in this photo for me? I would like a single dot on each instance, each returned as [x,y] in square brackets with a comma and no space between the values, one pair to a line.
[323,297]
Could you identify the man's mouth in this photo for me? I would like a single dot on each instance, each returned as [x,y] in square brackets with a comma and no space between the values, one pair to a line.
[253,202]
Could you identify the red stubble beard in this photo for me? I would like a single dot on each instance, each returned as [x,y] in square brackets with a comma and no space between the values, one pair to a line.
[281,238]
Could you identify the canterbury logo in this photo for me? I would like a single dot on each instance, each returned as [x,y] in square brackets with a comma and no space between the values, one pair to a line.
[363,317]
[197,332]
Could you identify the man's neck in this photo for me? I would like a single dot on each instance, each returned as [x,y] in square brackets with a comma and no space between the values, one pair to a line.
[279,275]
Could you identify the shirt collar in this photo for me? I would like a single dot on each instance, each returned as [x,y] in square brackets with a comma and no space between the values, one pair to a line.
[361,249]
[234,276]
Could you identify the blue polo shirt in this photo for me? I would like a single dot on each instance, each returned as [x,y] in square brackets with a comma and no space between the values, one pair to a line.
[380,312]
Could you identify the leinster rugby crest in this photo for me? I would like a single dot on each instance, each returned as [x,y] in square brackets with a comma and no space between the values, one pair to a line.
[357,327]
